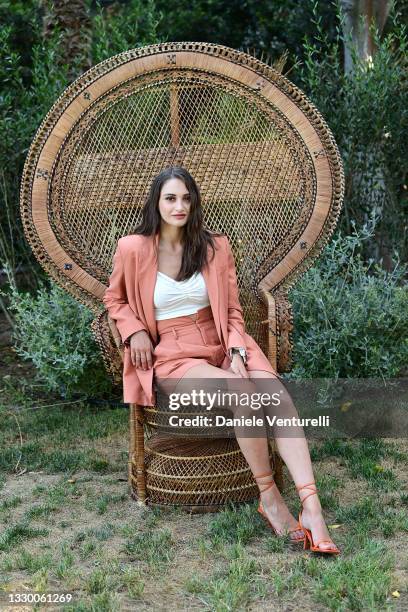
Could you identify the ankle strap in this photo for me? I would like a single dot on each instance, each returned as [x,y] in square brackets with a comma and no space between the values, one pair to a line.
[268,485]
[270,473]
[307,486]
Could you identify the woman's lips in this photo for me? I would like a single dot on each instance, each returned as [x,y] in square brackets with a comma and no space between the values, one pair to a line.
[179,216]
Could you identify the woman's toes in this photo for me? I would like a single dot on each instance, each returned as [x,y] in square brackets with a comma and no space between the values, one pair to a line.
[296,533]
[327,546]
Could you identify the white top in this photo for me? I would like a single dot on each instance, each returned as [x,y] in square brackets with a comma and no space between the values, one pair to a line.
[176,298]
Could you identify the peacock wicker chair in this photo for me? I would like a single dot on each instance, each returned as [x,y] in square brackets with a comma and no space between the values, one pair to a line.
[271,178]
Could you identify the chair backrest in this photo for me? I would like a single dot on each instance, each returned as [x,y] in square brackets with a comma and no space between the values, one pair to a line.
[266,163]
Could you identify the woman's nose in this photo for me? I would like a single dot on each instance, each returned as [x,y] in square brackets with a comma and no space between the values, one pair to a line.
[180,207]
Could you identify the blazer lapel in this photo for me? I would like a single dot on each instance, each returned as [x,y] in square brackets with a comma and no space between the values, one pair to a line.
[147,265]
[211,276]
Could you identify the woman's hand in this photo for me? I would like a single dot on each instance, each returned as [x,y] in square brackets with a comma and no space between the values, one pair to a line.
[141,349]
[238,366]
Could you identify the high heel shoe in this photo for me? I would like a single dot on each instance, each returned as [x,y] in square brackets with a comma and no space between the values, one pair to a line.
[262,513]
[309,543]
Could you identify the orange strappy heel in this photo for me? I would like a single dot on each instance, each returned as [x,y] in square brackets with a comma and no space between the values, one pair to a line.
[309,543]
[262,513]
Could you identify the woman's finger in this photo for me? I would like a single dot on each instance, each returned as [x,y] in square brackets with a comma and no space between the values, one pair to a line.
[138,360]
[143,359]
[244,371]
[235,369]
[149,359]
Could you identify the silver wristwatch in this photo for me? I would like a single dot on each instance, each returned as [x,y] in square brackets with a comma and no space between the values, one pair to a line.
[240,350]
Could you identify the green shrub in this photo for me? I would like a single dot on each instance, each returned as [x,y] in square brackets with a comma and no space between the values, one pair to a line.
[350,318]
[366,108]
[53,331]
[33,74]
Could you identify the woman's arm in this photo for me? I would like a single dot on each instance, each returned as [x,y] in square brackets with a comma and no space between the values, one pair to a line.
[115,300]
[236,324]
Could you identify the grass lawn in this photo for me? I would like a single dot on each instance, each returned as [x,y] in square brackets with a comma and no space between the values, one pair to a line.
[68,522]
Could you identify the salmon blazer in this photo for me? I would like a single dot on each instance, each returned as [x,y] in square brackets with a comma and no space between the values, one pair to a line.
[129,301]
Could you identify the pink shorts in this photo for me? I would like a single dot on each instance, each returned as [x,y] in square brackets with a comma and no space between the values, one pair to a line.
[189,340]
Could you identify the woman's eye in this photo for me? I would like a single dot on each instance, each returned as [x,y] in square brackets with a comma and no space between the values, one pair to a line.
[172,198]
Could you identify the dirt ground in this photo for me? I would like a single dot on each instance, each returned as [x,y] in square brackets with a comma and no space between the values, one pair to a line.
[95,534]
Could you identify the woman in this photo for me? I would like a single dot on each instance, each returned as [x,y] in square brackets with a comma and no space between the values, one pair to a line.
[178,314]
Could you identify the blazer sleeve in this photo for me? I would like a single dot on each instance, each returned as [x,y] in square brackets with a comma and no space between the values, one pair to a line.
[236,324]
[115,300]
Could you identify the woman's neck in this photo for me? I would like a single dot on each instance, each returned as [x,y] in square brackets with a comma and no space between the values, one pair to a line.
[171,238]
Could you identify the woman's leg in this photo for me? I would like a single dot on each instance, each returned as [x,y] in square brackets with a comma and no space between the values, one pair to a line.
[255,450]
[295,453]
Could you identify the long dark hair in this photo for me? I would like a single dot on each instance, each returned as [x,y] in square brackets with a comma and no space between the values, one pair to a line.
[195,237]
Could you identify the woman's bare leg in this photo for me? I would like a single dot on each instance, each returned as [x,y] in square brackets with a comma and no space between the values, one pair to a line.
[255,450]
[295,453]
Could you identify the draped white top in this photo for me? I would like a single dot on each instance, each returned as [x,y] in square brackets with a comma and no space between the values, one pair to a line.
[176,298]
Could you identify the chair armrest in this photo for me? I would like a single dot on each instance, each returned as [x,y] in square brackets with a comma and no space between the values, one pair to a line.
[115,335]
[270,321]
[109,341]
[280,327]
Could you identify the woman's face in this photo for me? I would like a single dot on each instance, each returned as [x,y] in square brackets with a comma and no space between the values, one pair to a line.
[174,202]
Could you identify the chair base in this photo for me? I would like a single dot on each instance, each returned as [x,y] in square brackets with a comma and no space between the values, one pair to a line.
[196,474]
[189,509]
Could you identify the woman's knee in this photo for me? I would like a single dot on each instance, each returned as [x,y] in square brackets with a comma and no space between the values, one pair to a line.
[209,371]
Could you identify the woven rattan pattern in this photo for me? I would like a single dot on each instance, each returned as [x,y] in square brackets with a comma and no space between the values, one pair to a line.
[197,472]
[250,165]
[257,176]
[234,57]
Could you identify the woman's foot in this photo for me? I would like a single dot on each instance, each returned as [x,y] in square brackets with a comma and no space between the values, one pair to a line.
[276,510]
[312,518]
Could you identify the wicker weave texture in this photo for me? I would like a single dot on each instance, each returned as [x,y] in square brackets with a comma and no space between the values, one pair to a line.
[270,176]
[266,162]
[197,472]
